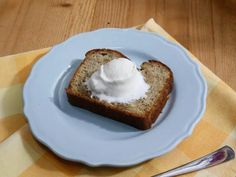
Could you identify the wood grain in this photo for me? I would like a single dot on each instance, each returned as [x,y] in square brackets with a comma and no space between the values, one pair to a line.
[207,28]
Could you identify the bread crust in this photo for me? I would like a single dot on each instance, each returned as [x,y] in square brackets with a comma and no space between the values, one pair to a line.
[159,104]
[142,122]
[105,51]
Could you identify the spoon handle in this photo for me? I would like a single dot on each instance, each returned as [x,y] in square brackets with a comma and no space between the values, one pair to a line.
[219,156]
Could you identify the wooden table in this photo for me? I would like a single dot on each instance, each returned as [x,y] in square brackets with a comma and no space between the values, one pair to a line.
[206,27]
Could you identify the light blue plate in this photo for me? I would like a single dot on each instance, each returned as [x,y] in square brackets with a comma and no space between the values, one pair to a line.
[79,135]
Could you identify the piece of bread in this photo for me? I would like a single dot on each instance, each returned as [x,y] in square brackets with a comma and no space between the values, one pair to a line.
[141,113]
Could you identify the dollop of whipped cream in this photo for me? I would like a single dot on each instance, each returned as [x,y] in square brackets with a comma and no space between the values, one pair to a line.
[118,81]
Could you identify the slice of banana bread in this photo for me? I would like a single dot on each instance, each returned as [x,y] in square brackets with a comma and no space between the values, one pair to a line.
[141,113]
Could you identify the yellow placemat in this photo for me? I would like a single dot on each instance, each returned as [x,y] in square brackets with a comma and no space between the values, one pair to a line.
[22,155]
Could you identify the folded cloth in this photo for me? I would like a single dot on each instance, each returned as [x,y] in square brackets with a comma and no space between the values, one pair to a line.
[22,155]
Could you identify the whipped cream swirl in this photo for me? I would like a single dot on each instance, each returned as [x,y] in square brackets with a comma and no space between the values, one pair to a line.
[118,81]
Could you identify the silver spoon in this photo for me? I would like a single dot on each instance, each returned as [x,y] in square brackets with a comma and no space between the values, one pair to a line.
[219,156]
